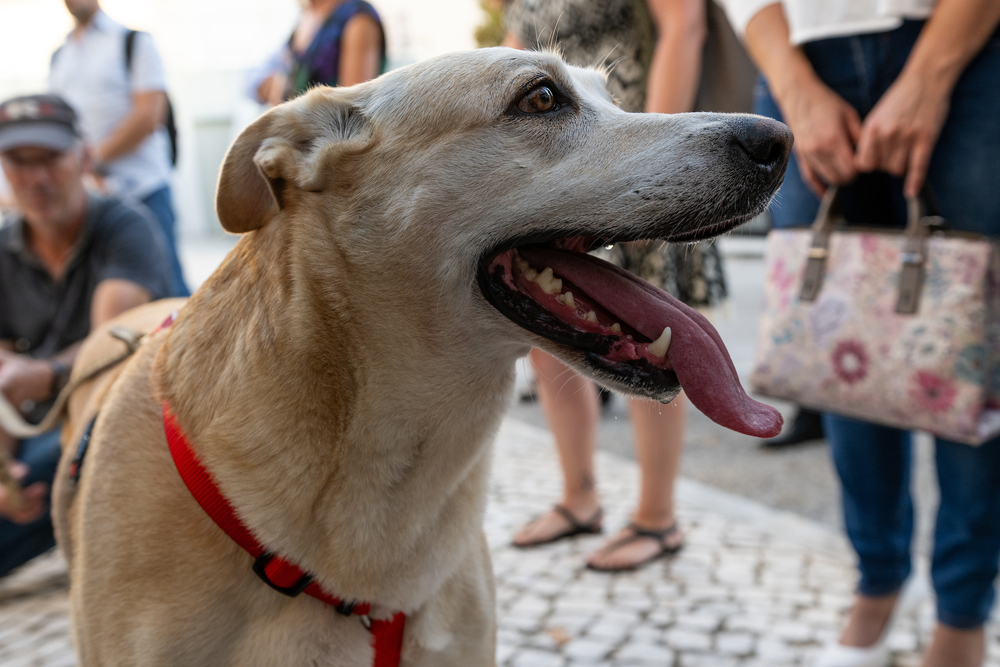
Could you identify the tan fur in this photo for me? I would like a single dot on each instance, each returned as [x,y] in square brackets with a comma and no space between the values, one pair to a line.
[342,376]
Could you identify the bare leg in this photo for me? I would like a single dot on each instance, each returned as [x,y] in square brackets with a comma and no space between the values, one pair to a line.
[952,647]
[867,619]
[659,443]
[571,405]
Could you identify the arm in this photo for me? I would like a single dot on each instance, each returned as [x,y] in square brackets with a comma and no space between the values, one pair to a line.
[512,41]
[826,127]
[675,70]
[360,51]
[149,109]
[899,134]
[23,378]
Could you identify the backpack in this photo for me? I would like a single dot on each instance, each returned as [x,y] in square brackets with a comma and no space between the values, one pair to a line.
[169,124]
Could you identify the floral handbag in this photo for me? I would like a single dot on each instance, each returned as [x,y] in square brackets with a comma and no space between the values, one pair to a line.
[894,327]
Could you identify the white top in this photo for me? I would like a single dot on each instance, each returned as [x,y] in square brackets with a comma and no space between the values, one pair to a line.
[810,20]
[90,74]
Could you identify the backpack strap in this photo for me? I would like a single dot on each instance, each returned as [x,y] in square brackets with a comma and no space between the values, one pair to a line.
[169,122]
[129,48]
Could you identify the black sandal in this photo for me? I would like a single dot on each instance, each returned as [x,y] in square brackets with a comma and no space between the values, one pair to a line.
[591,526]
[639,533]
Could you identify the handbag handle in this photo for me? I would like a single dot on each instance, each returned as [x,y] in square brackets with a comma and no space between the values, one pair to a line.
[913,257]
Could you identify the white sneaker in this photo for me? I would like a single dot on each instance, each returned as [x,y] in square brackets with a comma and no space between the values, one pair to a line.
[877,655]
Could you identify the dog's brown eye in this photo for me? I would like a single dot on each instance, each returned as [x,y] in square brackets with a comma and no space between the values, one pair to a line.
[538,100]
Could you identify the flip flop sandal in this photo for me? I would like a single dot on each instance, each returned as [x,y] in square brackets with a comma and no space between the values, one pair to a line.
[639,533]
[591,526]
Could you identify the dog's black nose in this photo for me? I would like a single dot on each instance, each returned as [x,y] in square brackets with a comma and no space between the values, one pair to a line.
[766,142]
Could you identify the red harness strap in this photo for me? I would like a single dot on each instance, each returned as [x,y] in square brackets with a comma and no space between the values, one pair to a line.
[281,575]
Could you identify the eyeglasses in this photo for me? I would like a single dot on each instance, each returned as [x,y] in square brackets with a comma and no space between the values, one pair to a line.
[47,160]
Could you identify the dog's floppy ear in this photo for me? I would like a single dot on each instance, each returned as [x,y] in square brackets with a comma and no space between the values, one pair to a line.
[287,148]
[246,198]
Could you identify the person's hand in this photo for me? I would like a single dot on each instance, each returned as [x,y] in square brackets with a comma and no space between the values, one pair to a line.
[94,183]
[272,89]
[826,128]
[24,379]
[899,134]
[34,498]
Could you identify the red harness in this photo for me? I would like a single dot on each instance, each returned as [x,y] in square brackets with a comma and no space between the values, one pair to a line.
[278,573]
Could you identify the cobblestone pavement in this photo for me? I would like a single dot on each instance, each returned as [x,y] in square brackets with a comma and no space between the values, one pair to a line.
[753,587]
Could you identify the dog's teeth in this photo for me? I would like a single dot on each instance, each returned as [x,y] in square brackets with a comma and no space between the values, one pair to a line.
[530,274]
[660,346]
[617,328]
[591,316]
[566,298]
[549,284]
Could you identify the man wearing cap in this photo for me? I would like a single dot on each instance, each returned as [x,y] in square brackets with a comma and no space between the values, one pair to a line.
[69,261]
[116,83]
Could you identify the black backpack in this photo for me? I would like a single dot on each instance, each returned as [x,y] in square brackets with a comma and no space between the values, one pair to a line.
[169,123]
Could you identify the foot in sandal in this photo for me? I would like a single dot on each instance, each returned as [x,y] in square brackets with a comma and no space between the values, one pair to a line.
[635,546]
[557,524]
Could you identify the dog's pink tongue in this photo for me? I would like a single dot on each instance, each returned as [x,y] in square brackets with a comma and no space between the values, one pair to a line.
[697,353]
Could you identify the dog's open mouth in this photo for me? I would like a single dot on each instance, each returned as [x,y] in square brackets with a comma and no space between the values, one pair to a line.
[632,333]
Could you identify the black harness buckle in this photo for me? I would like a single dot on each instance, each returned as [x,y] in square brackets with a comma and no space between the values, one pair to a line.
[290,591]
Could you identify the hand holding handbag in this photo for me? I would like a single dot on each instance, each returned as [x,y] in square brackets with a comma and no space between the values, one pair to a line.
[895,327]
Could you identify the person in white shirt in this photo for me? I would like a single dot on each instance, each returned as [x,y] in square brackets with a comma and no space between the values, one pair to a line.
[886,98]
[122,105]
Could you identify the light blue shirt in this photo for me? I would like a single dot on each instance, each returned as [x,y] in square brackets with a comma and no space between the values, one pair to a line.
[89,73]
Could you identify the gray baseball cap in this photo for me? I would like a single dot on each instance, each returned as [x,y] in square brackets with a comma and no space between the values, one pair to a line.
[38,120]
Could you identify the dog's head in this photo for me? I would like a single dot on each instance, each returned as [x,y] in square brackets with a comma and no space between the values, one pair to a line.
[468,189]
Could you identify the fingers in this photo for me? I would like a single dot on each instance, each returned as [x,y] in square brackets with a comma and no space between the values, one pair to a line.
[35,498]
[810,178]
[920,160]
[868,156]
[831,158]
[17,470]
[853,122]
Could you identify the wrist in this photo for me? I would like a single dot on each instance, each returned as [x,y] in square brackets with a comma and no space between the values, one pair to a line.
[60,376]
[934,74]
[795,80]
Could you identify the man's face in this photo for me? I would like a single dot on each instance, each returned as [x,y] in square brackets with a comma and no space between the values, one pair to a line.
[47,184]
[82,10]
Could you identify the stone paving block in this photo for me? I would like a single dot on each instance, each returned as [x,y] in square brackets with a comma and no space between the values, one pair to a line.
[594,649]
[698,660]
[682,640]
[701,620]
[644,653]
[793,632]
[612,628]
[533,658]
[735,643]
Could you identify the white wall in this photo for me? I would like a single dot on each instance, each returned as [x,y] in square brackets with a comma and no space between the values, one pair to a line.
[207,46]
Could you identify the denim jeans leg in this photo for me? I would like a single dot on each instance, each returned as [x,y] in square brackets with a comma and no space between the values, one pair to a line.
[795,205]
[19,543]
[159,203]
[967,533]
[873,463]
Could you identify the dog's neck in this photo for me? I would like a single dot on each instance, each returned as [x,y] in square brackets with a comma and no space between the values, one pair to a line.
[371,454]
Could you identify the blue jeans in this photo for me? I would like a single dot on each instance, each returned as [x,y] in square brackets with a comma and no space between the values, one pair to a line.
[19,543]
[873,461]
[160,205]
